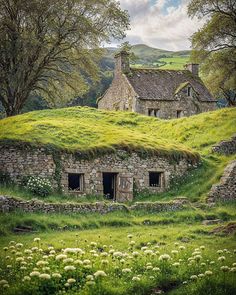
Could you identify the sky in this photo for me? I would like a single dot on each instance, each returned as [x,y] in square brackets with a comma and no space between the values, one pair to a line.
[161,24]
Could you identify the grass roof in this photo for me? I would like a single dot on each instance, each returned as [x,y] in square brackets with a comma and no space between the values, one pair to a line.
[90,131]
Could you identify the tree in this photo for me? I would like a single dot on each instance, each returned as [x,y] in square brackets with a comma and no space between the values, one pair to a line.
[48,46]
[214,45]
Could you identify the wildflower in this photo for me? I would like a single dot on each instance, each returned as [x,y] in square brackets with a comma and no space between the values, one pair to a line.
[118,254]
[221,258]
[194,277]
[202,247]
[176,264]
[89,277]
[156,269]
[130,236]
[26,279]
[2,282]
[86,261]
[208,273]
[27,251]
[135,254]
[126,270]
[148,252]
[45,276]
[175,252]
[41,263]
[164,257]
[6,286]
[224,268]
[220,252]
[198,257]
[201,275]
[35,274]
[68,260]
[149,267]
[69,268]
[131,243]
[93,244]
[100,273]
[19,259]
[19,245]
[182,248]
[56,275]
[105,261]
[71,281]
[80,262]
[212,262]
[137,279]
[233,269]
[37,239]
[61,256]
[90,283]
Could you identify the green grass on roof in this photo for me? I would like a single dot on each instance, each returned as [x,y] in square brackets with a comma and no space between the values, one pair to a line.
[91,131]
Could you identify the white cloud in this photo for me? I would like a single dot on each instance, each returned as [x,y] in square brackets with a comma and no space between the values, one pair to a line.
[160,25]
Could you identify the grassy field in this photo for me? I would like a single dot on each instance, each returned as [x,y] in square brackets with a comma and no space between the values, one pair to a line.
[120,254]
[173,62]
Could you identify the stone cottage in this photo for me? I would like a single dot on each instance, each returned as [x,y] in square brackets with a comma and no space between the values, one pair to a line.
[116,176]
[154,92]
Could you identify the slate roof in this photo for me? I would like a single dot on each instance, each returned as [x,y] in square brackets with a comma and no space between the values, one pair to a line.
[156,84]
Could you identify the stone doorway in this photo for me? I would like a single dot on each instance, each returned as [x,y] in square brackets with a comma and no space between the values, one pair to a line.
[110,185]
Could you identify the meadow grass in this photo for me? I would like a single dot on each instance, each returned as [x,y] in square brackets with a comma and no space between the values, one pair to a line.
[174,63]
[173,276]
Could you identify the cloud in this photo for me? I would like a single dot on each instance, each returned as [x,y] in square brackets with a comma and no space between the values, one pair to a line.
[162,23]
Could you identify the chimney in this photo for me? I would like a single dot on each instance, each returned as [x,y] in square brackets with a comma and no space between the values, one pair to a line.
[193,68]
[122,62]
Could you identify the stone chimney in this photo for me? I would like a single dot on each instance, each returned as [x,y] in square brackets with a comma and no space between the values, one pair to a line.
[122,63]
[193,68]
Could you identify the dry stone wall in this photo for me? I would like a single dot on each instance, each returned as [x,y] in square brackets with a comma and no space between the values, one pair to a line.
[10,204]
[226,147]
[131,169]
[226,189]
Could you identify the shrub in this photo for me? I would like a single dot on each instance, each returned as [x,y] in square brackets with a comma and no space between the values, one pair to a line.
[39,186]
[4,178]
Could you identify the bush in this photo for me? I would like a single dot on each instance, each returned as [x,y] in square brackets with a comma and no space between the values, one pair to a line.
[39,186]
[4,178]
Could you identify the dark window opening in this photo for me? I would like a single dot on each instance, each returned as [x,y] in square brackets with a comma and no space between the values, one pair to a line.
[75,181]
[155,179]
[154,112]
[179,114]
[189,91]
[109,185]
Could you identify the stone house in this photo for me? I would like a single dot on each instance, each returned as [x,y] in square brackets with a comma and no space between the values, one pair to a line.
[154,92]
[116,176]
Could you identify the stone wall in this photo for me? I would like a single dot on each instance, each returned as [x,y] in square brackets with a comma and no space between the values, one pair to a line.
[168,109]
[10,204]
[226,189]
[119,96]
[131,170]
[226,147]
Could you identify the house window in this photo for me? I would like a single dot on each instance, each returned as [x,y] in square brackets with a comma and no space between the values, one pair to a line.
[75,182]
[155,179]
[189,91]
[154,112]
[179,113]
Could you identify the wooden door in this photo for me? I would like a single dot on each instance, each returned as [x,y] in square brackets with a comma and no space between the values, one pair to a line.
[124,187]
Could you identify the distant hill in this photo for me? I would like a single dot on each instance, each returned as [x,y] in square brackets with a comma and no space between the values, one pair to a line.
[155,57]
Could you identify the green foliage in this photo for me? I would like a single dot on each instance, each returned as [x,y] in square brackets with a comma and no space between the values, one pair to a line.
[39,186]
[214,45]
[55,50]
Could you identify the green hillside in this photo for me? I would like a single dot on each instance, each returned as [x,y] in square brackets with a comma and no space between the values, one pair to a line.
[92,131]
[155,57]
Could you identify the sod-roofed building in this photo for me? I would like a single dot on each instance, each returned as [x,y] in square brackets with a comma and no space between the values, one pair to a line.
[154,92]
[87,151]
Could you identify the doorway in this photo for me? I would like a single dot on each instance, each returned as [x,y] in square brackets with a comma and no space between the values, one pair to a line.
[109,185]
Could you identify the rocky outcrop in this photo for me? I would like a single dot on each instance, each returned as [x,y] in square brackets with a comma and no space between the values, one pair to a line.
[226,189]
